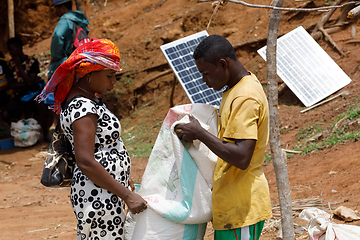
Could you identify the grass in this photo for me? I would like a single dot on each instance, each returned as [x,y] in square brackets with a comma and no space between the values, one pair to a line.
[308,139]
[137,139]
[349,130]
[328,3]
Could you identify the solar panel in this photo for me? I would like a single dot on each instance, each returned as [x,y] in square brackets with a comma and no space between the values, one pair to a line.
[306,68]
[179,55]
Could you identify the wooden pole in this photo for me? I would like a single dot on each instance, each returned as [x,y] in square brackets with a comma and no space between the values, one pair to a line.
[79,6]
[278,157]
[11,18]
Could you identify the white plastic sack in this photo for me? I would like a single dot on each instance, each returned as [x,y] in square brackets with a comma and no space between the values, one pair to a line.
[150,225]
[26,133]
[320,226]
[177,180]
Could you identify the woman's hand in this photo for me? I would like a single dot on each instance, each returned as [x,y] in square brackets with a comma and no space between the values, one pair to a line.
[135,203]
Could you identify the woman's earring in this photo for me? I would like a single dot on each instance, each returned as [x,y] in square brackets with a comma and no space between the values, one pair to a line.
[89,79]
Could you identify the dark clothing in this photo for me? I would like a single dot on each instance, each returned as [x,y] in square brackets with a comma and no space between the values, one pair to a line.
[31,66]
[16,106]
[62,37]
[5,93]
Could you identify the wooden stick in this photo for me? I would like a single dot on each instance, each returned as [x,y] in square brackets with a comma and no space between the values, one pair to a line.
[319,9]
[331,41]
[11,18]
[354,12]
[134,71]
[153,78]
[345,93]
[325,18]
[172,92]
[291,151]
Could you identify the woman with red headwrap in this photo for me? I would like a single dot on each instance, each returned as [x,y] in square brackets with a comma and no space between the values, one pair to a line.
[99,188]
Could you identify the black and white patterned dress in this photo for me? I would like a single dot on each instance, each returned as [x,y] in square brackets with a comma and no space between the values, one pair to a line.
[100,214]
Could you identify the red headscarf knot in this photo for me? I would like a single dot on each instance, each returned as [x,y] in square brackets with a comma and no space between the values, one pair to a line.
[91,56]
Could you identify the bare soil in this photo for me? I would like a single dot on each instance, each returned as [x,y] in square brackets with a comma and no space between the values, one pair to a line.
[139,28]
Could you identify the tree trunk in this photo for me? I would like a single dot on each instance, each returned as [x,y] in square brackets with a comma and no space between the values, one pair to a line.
[79,6]
[277,154]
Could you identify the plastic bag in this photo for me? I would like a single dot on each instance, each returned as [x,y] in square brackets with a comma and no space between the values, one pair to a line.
[26,132]
[177,181]
[320,226]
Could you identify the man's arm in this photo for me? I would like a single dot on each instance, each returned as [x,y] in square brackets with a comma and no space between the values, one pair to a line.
[238,154]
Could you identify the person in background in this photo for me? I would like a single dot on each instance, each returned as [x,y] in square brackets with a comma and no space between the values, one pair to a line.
[24,83]
[240,195]
[99,188]
[62,41]
[5,93]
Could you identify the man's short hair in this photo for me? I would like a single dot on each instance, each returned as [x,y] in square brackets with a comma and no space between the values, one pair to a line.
[15,41]
[213,48]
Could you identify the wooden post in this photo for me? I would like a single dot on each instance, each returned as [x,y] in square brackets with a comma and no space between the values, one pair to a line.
[172,91]
[11,18]
[79,6]
[277,155]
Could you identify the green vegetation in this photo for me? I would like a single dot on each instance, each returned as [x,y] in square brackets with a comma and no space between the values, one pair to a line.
[137,139]
[318,137]
[328,3]
[268,157]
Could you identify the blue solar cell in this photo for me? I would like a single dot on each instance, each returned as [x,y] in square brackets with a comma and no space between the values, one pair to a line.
[197,75]
[203,87]
[192,43]
[211,98]
[184,51]
[190,85]
[190,64]
[184,73]
[177,62]
[173,55]
[201,100]
[186,79]
[180,67]
[201,38]
[193,90]
[193,69]
[187,58]
[209,91]
[170,50]
[197,96]
[181,46]
[179,56]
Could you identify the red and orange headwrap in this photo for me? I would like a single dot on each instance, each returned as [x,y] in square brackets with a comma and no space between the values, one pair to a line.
[91,56]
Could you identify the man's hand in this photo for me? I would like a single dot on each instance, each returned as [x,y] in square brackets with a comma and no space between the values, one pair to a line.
[190,131]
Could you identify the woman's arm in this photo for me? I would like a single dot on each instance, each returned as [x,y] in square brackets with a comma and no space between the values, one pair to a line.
[84,144]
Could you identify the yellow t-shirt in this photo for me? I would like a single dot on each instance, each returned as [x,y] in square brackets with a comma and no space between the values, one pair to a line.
[241,197]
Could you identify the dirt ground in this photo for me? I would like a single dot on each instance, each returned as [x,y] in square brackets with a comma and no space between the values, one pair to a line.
[326,177]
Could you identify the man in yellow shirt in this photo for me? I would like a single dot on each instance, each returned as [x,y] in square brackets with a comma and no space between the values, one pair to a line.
[240,197]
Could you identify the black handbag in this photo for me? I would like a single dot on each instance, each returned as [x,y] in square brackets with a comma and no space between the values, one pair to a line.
[59,163]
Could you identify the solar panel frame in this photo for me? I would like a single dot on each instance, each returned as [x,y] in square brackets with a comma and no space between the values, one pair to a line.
[306,68]
[179,56]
